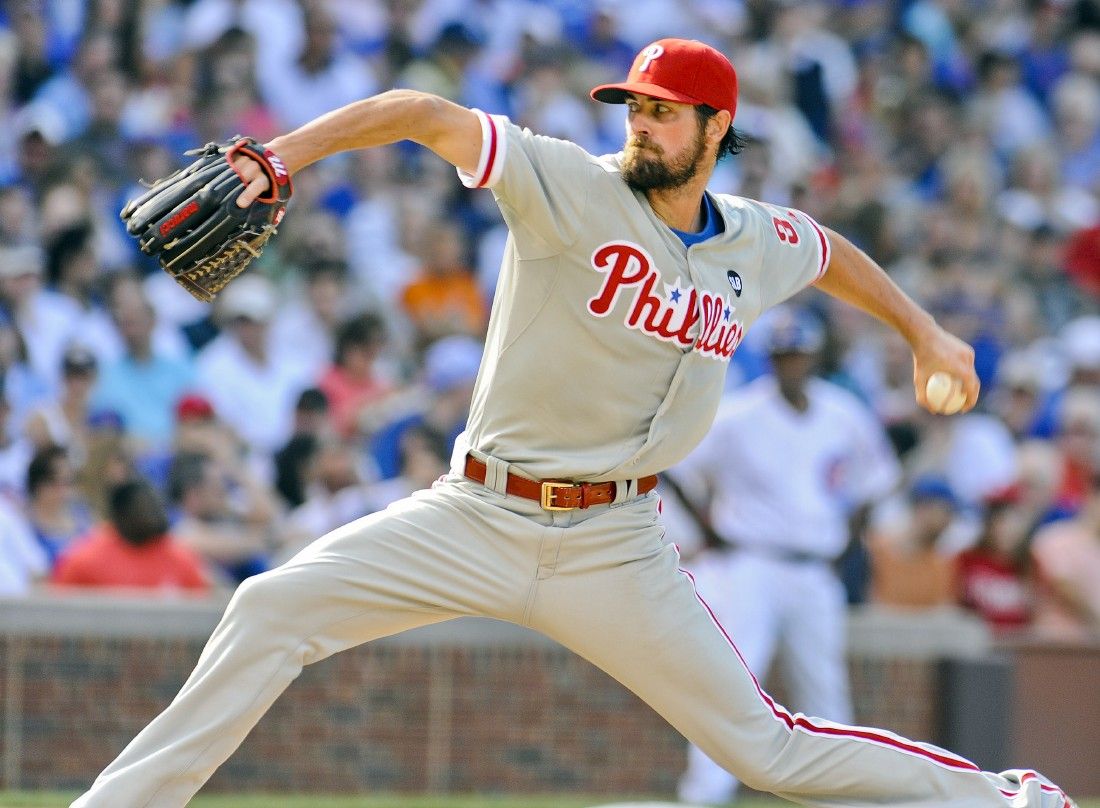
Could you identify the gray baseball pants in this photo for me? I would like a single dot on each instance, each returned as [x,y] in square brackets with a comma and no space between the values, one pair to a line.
[600,581]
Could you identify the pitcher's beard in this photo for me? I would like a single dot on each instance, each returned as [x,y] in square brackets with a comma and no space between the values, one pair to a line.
[644,171]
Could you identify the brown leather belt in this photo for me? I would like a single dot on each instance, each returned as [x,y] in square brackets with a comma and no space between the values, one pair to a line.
[555,495]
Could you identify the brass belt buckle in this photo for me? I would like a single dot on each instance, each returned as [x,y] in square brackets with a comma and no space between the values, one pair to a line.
[548,495]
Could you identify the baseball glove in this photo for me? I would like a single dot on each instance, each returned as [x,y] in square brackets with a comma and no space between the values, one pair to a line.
[191,223]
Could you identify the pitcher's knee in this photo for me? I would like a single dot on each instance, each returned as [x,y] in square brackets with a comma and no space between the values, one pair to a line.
[759,779]
[262,599]
[759,767]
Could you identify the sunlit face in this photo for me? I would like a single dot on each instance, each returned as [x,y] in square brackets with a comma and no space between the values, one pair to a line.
[665,144]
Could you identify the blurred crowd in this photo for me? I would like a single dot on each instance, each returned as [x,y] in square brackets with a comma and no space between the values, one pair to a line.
[956,141]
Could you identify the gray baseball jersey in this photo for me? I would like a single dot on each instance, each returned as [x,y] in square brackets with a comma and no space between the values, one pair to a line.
[596,289]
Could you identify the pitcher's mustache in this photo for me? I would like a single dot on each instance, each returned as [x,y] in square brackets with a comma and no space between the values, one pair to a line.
[644,143]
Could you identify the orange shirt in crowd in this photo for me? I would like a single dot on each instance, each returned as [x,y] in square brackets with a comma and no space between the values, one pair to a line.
[446,304]
[102,558]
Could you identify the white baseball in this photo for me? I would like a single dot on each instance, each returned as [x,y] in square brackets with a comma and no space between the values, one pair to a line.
[945,393]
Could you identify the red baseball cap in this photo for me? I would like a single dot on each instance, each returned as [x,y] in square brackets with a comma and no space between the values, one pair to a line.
[683,70]
[194,407]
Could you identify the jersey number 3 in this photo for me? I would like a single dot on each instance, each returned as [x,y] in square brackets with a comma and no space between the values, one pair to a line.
[785,230]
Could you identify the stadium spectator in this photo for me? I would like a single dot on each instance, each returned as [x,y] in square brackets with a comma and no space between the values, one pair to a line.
[1076,110]
[1044,279]
[252,389]
[23,386]
[1080,339]
[450,368]
[22,559]
[68,93]
[55,510]
[72,271]
[103,139]
[275,25]
[335,494]
[198,429]
[1078,441]
[312,424]
[353,383]
[305,330]
[975,453]
[1067,559]
[143,385]
[1017,397]
[379,264]
[223,515]
[133,549]
[994,577]
[15,453]
[110,461]
[228,84]
[1040,474]
[32,67]
[1037,198]
[325,75]
[64,421]
[1004,108]
[38,132]
[425,455]
[44,318]
[444,298]
[546,104]
[443,69]
[909,567]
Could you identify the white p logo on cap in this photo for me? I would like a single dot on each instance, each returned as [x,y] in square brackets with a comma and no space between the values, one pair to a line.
[650,53]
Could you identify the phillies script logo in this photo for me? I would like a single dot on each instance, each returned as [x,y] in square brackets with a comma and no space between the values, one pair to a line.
[699,320]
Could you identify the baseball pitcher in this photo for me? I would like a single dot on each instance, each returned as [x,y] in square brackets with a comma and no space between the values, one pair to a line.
[625,289]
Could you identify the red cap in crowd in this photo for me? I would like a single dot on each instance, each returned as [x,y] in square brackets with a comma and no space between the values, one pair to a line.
[194,407]
[683,70]
[1007,495]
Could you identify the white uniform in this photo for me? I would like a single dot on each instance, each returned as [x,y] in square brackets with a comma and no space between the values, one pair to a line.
[784,484]
[604,361]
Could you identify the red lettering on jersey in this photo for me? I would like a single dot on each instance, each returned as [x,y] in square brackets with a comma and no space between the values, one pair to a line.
[682,335]
[645,300]
[625,265]
[719,334]
[659,313]
[671,317]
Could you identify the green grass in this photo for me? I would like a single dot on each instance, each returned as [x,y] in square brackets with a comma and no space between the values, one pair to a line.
[20,799]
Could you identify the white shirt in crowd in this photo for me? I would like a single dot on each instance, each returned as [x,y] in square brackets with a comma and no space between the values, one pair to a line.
[256,401]
[22,559]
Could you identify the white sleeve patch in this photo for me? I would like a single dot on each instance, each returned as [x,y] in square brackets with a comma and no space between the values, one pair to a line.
[493,146]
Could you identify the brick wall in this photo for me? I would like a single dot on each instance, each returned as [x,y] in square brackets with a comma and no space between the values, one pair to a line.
[510,715]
